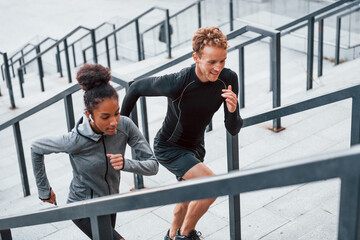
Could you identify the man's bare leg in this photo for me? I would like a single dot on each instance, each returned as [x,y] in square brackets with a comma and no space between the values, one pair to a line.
[196,209]
[179,215]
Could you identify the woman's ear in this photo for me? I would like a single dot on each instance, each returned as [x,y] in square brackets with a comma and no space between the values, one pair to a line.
[87,114]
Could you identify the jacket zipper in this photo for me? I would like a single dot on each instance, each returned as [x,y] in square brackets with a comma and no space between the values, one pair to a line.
[107,166]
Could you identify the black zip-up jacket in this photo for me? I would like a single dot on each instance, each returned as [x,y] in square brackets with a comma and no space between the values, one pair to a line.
[191,104]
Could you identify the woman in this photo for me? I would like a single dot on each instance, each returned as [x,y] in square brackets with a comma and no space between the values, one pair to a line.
[96,146]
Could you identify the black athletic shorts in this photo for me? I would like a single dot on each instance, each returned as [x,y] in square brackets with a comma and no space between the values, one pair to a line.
[176,159]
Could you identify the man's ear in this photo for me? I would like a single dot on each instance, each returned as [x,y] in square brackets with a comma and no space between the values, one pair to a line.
[195,57]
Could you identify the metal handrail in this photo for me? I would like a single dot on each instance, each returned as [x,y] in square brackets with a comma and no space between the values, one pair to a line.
[41,53]
[136,21]
[344,165]
[310,18]
[338,29]
[54,45]
[197,3]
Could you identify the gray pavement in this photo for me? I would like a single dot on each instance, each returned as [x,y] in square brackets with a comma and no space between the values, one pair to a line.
[306,211]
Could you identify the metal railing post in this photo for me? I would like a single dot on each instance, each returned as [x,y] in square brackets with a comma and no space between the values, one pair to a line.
[40,67]
[73,52]
[199,12]
[320,47]
[138,179]
[23,60]
[275,73]
[310,53]
[137,32]
[142,46]
[241,77]
[21,81]
[209,127]
[337,43]
[232,145]
[84,56]
[231,14]
[107,52]
[2,72]
[355,121]
[67,60]
[59,61]
[8,81]
[349,208]
[12,67]
[144,119]
[93,40]
[115,44]
[5,234]
[21,159]
[101,227]
[168,32]
[69,111]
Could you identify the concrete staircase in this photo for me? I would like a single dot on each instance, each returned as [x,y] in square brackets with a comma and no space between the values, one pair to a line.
[307,211]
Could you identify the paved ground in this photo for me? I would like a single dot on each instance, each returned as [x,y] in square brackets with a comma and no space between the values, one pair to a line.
[306,211]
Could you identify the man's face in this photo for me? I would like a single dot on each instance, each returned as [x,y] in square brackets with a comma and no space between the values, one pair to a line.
[210,64]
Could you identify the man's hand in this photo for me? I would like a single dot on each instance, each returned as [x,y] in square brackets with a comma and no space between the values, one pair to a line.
[116,161]
[52,199]
[230,98]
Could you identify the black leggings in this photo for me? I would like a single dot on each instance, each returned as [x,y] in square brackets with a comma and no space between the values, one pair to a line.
[85,226]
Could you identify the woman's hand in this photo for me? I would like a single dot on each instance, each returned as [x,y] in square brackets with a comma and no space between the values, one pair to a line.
[52,199]
[116,161]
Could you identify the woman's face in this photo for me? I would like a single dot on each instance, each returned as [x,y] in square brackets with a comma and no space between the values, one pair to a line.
[106,116]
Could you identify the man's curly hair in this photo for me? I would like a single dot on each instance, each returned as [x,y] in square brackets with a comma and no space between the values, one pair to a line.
[208,36]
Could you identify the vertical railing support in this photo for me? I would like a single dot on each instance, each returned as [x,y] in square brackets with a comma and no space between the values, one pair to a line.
[168,32]
[21,159]
[69,111]
[23,60]
[138,45]
[107,52]
[5,234]
[84,56]
[144,118]
[355,121]
[310,54]
[74,55]
[40,67]
[115,44]
[231,14]
[93,40]
[67,60]
[8,81]
[12,66]
[101,228]
[199,12]
[59,61]
[2,72]
[349,208]
[138,179]
[21,81]
[337,43]
[275,75]
[209,127]
[320,47]
[232,145]
[241,77]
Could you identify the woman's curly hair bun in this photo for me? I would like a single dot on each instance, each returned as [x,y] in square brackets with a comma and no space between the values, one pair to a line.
[92,76]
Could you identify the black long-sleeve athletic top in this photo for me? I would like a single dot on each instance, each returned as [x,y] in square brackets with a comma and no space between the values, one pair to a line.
[191,104]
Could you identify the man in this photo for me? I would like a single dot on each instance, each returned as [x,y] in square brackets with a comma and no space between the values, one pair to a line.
[194,95]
